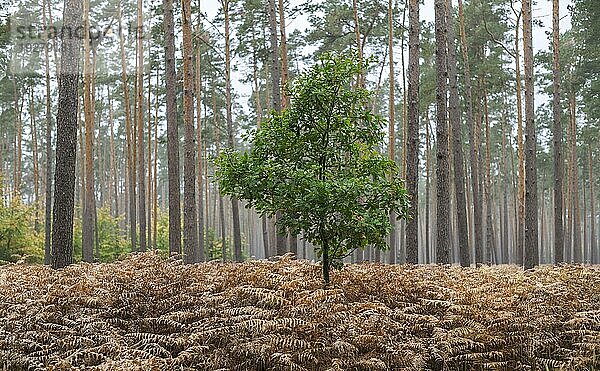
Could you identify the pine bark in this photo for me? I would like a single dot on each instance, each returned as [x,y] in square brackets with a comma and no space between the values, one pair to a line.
[172,131]
[48,190]
[276,99]
[473,147]
[87,223]
[235,211]
[559,242]
[531,258]
[412,144]
[593,242]
[66,139]
[458,158]
[199,146]
[190,226]
[139,119]
[442,155]
[392,123]
[129,139]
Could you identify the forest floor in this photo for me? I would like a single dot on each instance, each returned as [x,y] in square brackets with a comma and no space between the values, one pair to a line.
[148,313]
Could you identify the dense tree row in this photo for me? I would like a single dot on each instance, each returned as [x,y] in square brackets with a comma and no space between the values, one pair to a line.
[116,132]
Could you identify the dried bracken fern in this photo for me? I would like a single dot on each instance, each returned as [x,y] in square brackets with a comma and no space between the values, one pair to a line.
[147,313]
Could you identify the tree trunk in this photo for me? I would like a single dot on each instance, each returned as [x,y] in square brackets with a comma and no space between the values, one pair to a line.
[455,125]
[520,149]
[139,120]
[575,182]
[237,239]
[113,159]
[199,146]
[593,247]
[559,242]
[18,155]
[505,188]
[66,140]
[129,139]
[391,123]
[489,225]
[427,189]
[474,153]
[190,226]
[442,170]
[48,197]
[172,132]
[531,258]
[276,79]
[87,223]
[412,144]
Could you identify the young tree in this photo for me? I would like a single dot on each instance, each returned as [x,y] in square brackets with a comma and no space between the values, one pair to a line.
[391,121]
[531,258]
[412,131]
[317,163]
[66,137]
[48,201]
[172,131]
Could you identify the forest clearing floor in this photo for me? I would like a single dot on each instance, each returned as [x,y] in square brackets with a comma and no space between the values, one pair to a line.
[149,313]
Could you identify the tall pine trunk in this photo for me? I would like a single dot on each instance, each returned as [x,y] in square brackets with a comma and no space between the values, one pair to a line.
[190,226]
[392,123]
[235,211]
[559,242]
[199,146]
[48,196]
[276,79]
[139,120]
[412,144]
[442,155]
[87,223]
[531,258]
[477,210]
[172,131]
[66,139]
[458,158]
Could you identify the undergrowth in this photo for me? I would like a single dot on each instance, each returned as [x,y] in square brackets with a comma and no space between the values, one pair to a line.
[148,313]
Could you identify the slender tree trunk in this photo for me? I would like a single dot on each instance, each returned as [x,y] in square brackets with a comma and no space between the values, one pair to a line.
[87,223]
[455,125]
[559,242]
[442,170]
[531,258]
[520,149]
[139,120]
[276,79]
[412,144]
[199,146]
[35,161]
[129,139]
[505,187]
[427,188]
[48,197]
[172,132]
[577,258]
[113,156]
[490,240]
[593,247]
[18,155]
[190,226]
[359,46]
[477,210]
[66,139]
[237,239]
[149,181]
[392,122]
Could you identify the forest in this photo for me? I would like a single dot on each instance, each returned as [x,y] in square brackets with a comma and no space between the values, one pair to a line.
[300,185]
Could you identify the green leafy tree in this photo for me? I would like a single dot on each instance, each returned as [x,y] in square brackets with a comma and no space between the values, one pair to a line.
[317,163]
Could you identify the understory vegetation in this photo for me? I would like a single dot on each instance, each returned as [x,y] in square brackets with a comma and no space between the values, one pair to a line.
[150,313]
